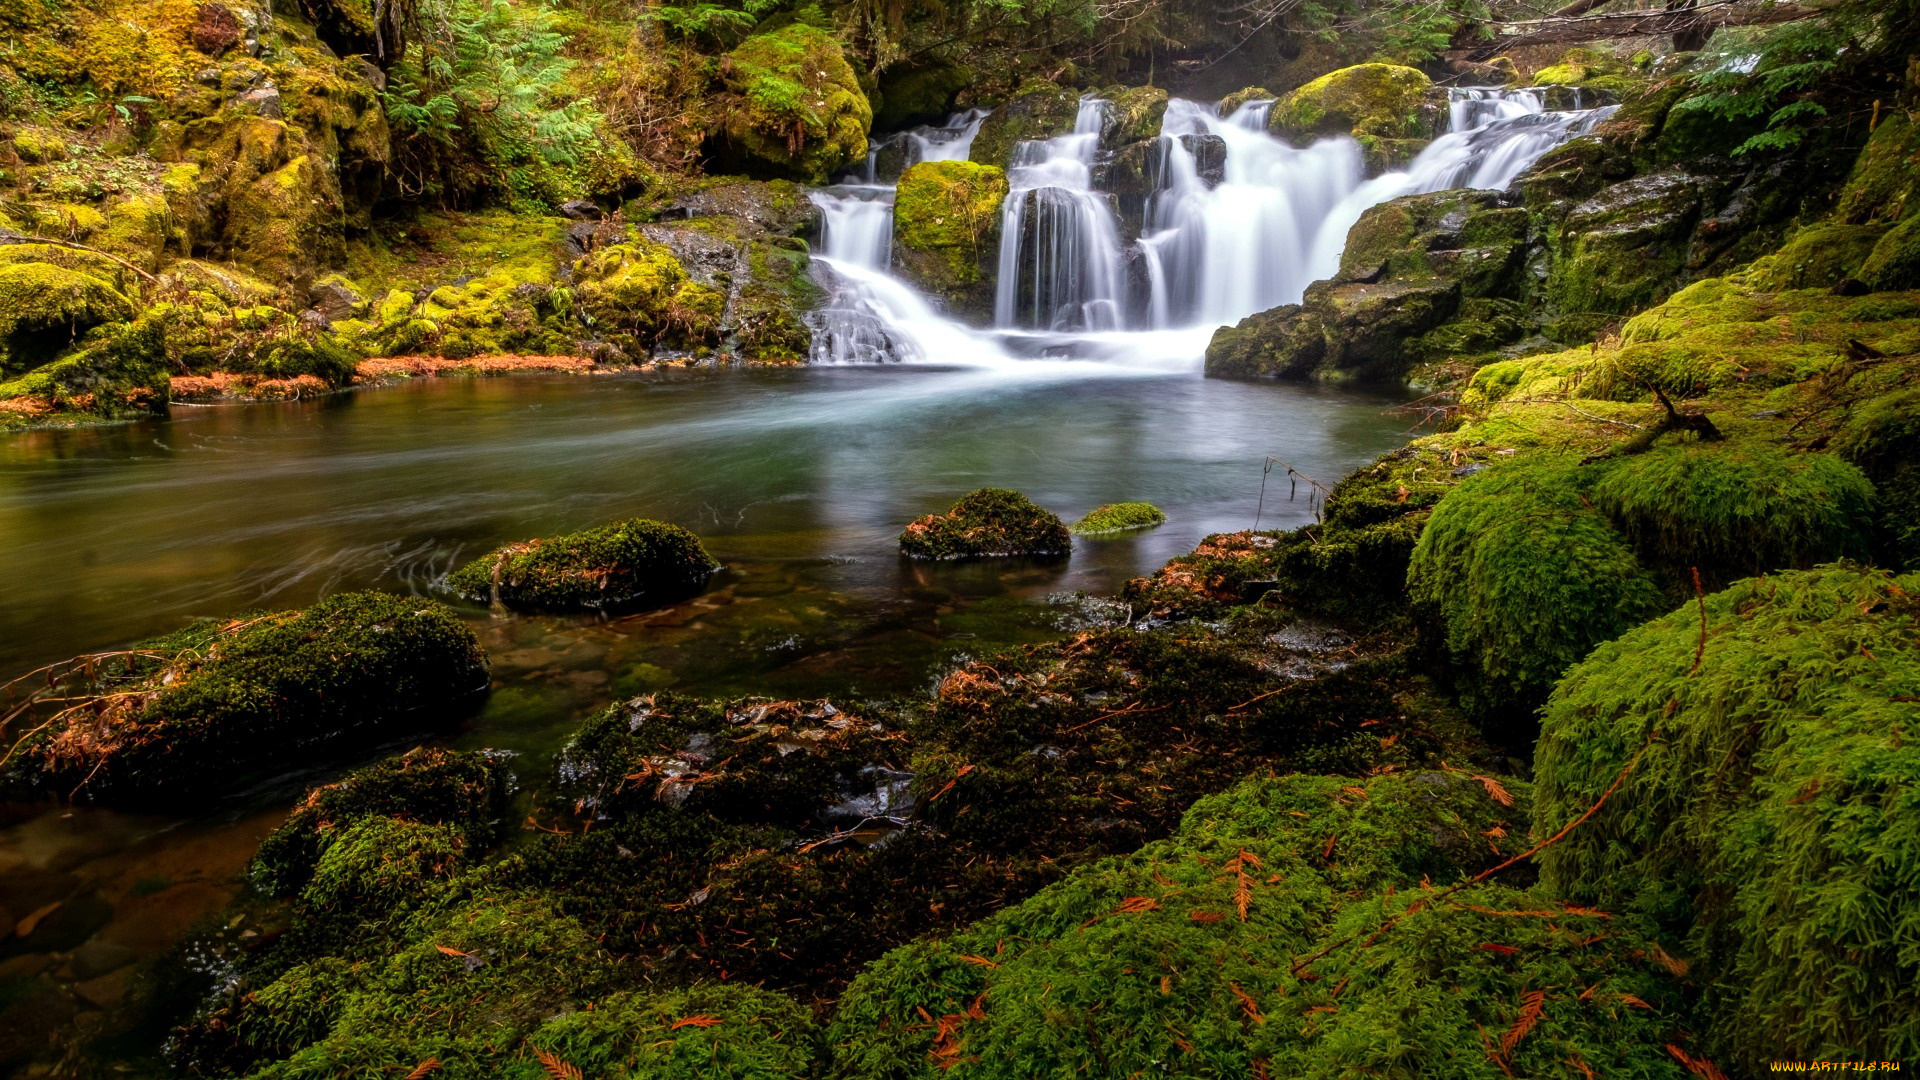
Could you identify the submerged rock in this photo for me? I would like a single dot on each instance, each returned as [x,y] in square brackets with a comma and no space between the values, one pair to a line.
[212,706]
[986,523]
[631,564]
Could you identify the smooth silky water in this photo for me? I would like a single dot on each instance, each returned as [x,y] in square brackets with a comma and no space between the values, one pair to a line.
[1086,390]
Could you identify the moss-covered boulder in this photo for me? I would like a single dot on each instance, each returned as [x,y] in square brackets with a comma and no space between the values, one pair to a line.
[1235,101]
[466,791]
[1254,942]
[1820,255]
[1119,517]
[209,707]
[1518,576]
[1383,106]
[946,231]
[1131,115]
[630,564]
[1894,262]
[45,308]
[1766,784]
[1736,507]
[638,297]
[1882,438]
[792,106]
[988,522]
[1038,110]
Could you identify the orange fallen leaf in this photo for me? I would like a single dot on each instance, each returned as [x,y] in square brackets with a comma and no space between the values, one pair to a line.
[697,1020]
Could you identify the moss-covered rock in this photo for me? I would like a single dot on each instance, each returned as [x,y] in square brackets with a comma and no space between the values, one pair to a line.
[638,296]
[462,790]
[1119,517]
[1038,110]
[1287,341]
[987,522]
[1233,102]
[1131,115]
[1520,577]
[119,369]
[1894,262]
[792,105]
[1761,818]
[1882,437]
[45,309]
[1383,106]
[206,708]
[1736,507]
[1884,185]
[1817,256]
[946,231]
[630,564]
[1231,948]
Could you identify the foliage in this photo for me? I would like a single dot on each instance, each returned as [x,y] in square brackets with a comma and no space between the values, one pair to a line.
[488,81]
[1119,517]
[710,22]
[793,105]
[984,523]
[1520,577]
[1769,825]
[1776,78]
[630,563]
[1195,955]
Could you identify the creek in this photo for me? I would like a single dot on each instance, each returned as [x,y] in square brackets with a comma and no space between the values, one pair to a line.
[1085,390]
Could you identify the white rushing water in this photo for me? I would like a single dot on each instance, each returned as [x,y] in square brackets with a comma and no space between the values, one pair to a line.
[1215,245]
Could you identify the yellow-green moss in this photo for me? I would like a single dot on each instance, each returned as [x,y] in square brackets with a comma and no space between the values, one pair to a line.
[946,222]
[45,308]
[793,104]
[1377,104]
[1817,256]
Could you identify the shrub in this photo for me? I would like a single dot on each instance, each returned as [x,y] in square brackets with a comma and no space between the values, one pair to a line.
[987,522]
[625,565]
[1521,578]
[1769,823]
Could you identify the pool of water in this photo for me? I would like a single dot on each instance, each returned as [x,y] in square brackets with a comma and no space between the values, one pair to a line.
[798,481]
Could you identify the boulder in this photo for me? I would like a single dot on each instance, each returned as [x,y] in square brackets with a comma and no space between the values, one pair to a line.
[791,107]
[1131,115]
[990,522]
[1039,110]
[630,564]
[946,231]
[1383,106]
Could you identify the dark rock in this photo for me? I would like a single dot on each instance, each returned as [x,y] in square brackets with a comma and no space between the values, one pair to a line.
[335,300]
[264,101]
[582,210]
[1850,287]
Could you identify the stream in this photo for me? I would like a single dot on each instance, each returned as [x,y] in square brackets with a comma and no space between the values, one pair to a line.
[1085,390]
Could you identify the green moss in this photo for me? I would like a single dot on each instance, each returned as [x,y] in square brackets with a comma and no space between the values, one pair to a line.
[1039,110]
[45,308]
[217,702]
[1766,826]
[1377,104]
[1882,437]
[1150,963]
[467,791]
[946,228]
[1520,577]
[987,522]
[1894,262]
[1882,186]
[1817,256]
[1119,517]
[119,369]
[1131,114]
[629,564]
[374,871]
[140,229]
[761,1035]
[1737,507]
[1232,102]
[793,105]
[638,296]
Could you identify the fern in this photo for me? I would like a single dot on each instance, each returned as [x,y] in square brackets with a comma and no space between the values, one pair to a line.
[1775,74]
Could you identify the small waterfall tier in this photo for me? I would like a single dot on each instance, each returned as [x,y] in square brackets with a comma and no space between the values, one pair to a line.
[1228,222]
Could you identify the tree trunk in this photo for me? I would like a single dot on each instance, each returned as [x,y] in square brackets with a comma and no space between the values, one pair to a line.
[1693,24]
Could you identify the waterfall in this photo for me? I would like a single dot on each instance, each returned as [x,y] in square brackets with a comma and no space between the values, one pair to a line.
[1060,261]
[1237,222]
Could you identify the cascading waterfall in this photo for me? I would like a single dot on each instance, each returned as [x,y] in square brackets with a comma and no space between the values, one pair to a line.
[1216,244]
[1060,259]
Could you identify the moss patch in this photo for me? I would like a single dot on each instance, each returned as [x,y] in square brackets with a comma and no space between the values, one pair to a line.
[793,106]
[1763,826]
[1377,104]
[1119,517]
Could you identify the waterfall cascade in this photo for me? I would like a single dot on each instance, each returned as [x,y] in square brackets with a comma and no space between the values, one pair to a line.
[1215,245]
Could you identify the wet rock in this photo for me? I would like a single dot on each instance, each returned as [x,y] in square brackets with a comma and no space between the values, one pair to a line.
[990,522]
[1040,110]
[946,231]
[210,706]
[1384,107]
[1131,115]
[635,563]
